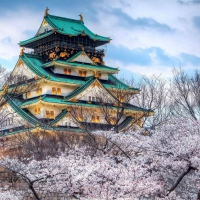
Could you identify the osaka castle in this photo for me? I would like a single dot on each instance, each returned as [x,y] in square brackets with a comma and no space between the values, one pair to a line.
[74,86]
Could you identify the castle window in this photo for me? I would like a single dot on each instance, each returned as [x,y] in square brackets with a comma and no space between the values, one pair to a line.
[99,75]
[95,119]
[39,91]
[58,91]
[52,115]
[80,118]
[28,94]
[82,73]
[112,120]
[122,99]
[53,90]
[47,114]
[37,110]
[67,71]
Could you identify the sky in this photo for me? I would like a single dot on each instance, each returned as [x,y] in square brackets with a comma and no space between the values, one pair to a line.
[149,37]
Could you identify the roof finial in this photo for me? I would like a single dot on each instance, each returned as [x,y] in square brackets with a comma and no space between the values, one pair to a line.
[81,17]
[46,12]
[22,51]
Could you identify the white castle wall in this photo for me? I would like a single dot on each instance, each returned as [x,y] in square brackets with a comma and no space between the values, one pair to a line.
[43,109]
[47,89]
[9,118]
[60,70]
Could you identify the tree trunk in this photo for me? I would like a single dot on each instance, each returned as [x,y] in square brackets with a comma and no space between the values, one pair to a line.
[198,195]
[34,192]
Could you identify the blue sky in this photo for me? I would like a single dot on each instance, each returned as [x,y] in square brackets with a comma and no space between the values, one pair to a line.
[148,37]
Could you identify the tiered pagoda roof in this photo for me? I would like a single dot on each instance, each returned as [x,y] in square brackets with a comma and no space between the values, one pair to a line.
[64,58]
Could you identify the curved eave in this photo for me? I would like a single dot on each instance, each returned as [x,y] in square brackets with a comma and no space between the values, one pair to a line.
[117,84]
[81,66]
[33,39]
[64,104]
[39,71]
[87,32]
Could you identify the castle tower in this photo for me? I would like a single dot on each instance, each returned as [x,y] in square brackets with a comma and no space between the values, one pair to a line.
[74,85]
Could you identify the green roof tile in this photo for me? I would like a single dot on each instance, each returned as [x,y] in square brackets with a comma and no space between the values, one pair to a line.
[61,101]
[35,65]
[72,27]
[22,43]
[66,26]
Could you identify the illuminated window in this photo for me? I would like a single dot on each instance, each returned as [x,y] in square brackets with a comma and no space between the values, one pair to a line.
[47,114]
[99,75]
[82,73]
[80,118]
[112,120]
[37,110]
[53,90]
[39,91]
[95,119]
[52,115]
[58,91]
[28,94]
[122,99]
[67,71]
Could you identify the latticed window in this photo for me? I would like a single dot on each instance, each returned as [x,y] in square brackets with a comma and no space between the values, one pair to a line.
[95,119]
[52,115]
[53,90]
[80,118]
[82,73]
[67,71]
[28,94]
[112,120]
[122,99]
[99,75]
[58,91]
[47,114]
[37,111]
[39,91]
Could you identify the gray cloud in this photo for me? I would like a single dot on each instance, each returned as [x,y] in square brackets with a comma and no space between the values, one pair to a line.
[196,21]
[141,23]
[186,2]
[143,57]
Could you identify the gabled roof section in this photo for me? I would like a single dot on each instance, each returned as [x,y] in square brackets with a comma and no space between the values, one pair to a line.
[33,39]
[81,57]
[114,83]
[59,117]
[16,106]
[89,83]
[80,89]
[54,100]
[65,26]
[34,63]
[72,27]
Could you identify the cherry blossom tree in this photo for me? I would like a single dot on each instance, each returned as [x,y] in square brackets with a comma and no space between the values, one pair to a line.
[86,177]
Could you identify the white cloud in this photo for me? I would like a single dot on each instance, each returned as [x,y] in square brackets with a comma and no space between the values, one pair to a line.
[13,29]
